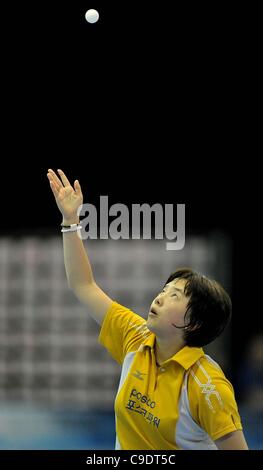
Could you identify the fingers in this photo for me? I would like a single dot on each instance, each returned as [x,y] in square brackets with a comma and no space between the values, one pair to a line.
[54,177]
[56,183]
[65,180]
[77,187]
[54,189]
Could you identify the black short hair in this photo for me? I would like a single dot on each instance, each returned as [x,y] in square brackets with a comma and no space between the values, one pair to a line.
[209,308]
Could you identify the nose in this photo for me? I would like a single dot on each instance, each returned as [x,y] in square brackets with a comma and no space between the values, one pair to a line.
[159,300]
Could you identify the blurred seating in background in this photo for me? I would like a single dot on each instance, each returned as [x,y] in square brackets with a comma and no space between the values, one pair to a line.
[57,384]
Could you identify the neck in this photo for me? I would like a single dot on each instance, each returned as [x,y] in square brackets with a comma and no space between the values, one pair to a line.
[164,350]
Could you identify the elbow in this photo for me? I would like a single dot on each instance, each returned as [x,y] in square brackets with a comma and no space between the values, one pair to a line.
[77,287]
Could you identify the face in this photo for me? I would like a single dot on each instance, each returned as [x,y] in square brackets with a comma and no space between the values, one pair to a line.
[168,308]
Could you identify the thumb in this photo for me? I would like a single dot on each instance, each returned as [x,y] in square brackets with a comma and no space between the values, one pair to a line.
[77,187]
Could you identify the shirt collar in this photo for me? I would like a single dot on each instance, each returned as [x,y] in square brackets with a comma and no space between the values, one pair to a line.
[186,357]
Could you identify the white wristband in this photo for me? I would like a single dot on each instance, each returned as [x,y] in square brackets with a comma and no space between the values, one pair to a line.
[71,228]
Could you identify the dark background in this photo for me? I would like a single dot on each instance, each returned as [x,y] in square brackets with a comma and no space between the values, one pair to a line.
[150,104]
[144,105]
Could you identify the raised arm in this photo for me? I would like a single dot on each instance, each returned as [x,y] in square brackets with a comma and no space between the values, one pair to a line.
[78,269]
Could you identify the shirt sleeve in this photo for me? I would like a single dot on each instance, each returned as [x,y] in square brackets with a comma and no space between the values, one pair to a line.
[212,403]
[122,331]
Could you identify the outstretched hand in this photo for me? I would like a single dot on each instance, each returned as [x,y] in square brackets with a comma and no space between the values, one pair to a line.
[68,198]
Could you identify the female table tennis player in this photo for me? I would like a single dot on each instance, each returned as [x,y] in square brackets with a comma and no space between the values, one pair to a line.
[171,394]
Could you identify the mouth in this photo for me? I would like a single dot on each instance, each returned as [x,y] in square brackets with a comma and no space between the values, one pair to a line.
[153,311]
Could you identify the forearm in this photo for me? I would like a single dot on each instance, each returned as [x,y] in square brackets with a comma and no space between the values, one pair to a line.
[77,265]
[78,269]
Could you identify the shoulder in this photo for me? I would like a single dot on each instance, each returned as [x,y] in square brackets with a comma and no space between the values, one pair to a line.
[208,385]
[122,330]
[124,314]
[206,370]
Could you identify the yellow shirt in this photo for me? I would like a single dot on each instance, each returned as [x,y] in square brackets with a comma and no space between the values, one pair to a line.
[186,403]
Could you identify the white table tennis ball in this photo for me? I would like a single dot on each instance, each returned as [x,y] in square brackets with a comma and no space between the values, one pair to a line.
[91,16]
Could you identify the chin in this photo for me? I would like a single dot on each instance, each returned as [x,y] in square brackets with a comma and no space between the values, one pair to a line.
[150,326]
